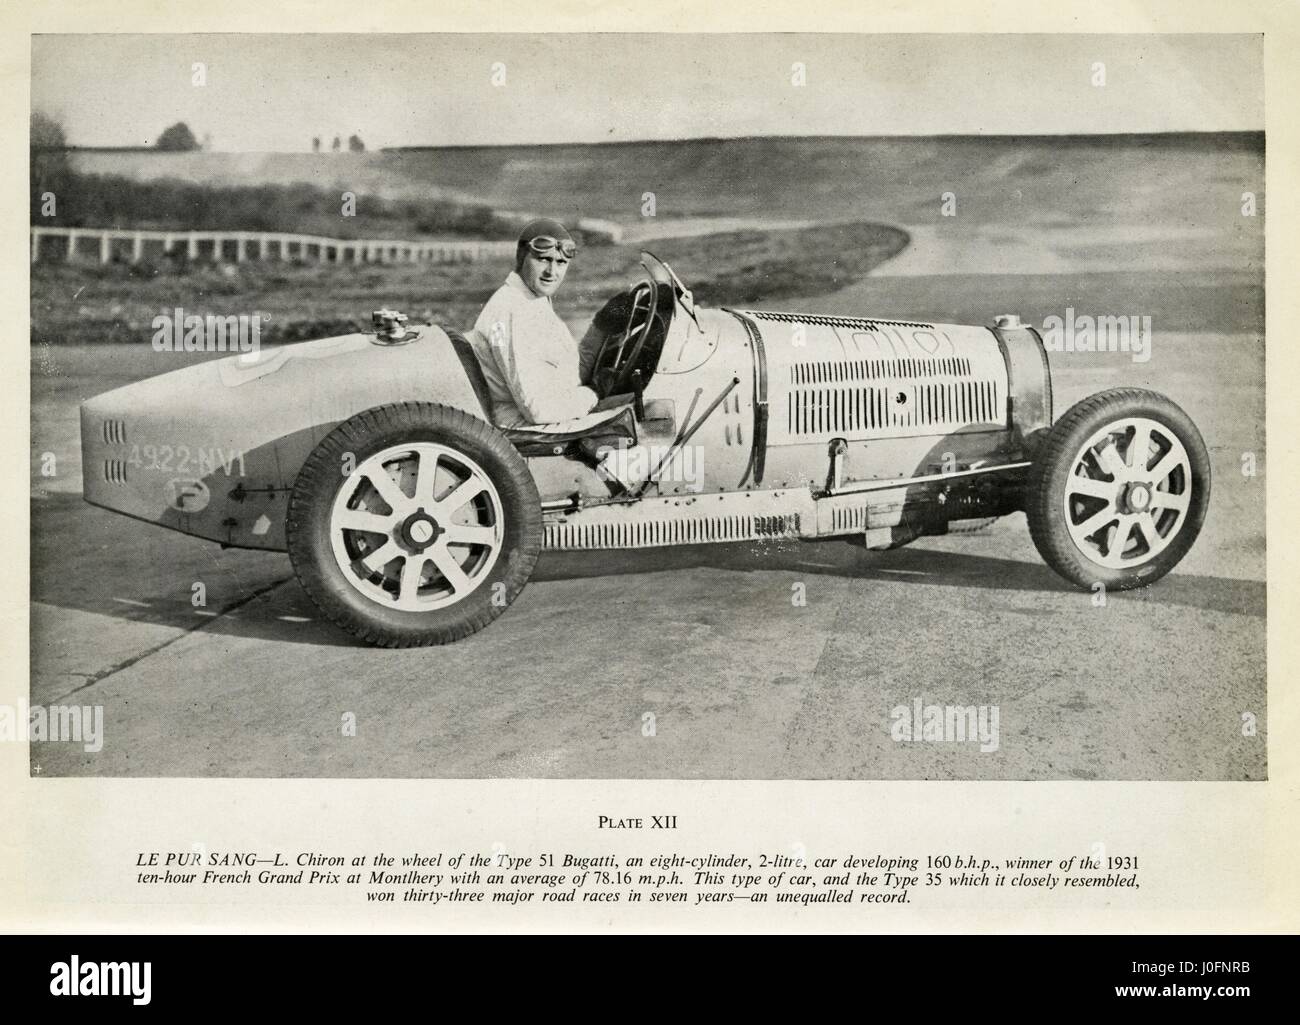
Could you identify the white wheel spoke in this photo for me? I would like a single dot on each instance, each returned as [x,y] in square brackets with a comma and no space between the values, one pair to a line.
[1092,488]
[1095,522]
[1169,462]
[387,488]
[382,556]
[465,534]
[449,568]
[1140,448]
[1108,459]
[426,470]
[472,488]
[1146,531]
[411,570]
[1168,500]
[359,519]
[1120,540]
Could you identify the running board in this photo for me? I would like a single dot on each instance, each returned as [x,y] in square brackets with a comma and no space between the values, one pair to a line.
[684,520]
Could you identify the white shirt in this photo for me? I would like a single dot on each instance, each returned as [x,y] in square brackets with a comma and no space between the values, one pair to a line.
[529,359]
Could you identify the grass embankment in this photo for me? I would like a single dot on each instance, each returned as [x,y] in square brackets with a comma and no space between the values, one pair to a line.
[117,302]
[114,201]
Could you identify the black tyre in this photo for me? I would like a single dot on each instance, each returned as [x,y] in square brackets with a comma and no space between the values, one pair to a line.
[1118,490]
[414,524]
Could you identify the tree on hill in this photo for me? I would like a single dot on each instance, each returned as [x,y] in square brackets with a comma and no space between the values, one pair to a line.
[49,169]
[177,139]
[46,132]
[355,144]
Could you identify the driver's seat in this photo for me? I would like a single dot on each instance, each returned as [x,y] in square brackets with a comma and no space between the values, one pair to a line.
[616,428]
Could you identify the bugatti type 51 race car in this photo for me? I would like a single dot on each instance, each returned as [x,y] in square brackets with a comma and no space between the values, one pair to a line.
[409,519]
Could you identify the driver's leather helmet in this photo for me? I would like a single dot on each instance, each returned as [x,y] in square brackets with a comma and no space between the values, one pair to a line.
[534,229]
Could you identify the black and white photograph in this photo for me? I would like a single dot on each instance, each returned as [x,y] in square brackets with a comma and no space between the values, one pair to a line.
[778,406]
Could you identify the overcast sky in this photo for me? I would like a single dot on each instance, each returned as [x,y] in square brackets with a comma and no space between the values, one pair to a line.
[268,92]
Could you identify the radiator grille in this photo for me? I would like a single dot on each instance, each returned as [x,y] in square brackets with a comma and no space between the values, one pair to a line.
[670,531]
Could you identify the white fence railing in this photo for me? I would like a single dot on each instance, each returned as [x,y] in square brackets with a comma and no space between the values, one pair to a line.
[237,246]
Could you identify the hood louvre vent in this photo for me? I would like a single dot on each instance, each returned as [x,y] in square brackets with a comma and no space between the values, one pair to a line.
[829,372]
[859,323]
[115,471]
[904,408]
[114,432]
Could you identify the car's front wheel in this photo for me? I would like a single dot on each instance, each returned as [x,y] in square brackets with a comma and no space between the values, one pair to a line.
[413,524]
[1118,490]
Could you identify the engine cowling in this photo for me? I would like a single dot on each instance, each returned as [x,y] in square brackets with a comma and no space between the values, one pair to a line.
[860,379]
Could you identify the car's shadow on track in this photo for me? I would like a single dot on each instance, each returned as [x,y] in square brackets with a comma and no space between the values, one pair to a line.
[919,566]
[123,572]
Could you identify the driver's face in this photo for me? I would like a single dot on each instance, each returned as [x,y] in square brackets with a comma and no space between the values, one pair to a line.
[543,272]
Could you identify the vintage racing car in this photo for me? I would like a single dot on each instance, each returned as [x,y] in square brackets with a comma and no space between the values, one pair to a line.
[410,519]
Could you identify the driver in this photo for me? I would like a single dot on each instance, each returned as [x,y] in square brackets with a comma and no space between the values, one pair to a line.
[528,356]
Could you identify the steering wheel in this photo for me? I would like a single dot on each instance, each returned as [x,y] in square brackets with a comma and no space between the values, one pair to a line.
[619,353]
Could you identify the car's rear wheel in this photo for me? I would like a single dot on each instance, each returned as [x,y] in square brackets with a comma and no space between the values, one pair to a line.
[414,524]
[1118,490]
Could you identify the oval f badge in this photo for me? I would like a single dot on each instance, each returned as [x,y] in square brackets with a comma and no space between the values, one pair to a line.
[187,495]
